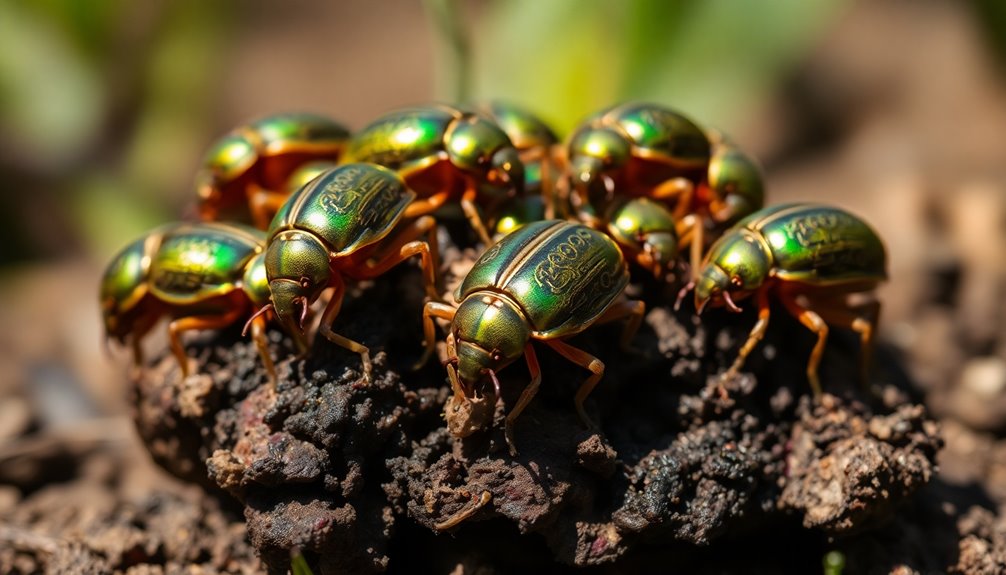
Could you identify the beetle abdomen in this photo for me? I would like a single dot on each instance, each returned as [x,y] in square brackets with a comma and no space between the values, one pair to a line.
[563,275]
[348,207]
[819,244]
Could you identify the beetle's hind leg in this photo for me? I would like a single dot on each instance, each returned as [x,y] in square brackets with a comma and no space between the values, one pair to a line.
[635,310]
[586,361]
[861,319]
[183,324]
[402,246]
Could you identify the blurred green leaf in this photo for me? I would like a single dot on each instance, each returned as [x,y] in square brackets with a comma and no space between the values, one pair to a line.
[50,102]
[712,60]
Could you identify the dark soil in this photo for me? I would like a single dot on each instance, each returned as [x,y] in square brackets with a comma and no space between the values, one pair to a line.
[359,476]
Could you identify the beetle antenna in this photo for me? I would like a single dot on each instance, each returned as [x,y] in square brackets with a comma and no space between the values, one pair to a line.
[265,309]
[682,293]
[496,382]
[730,302]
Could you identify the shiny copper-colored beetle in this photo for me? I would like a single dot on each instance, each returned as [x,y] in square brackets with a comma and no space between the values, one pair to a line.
[547,281]
[346,223]
[247,172]
[443,153]
[811,258]
[201,275]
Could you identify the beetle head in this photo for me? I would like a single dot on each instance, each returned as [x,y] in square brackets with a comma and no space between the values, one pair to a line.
[594,152]
[507,170]
[297,266]
[737,264]
[490,332]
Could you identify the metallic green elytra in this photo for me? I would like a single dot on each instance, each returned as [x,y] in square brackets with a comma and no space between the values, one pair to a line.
[634,148]
[443,153]
[333,227]
[809,256]
[202,275]
[546,281]
[645,231]
[246,172]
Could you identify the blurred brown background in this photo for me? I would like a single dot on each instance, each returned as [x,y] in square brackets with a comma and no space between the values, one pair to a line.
[894,109]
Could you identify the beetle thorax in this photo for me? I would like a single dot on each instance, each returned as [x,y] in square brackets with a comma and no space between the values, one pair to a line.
[490,332]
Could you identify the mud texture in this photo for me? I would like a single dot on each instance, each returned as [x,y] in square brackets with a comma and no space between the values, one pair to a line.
[366,478]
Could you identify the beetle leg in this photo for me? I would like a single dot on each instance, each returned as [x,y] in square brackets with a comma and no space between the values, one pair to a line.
[862,320]
[182,324]
[682,189]
[263,205]
[258,326]
[525,397]
[813,322]
[635,310]
[472,213]
[403,246]
[423,206]
[756,335]
[325,327]
[585,360]
[465,512]
[431,310]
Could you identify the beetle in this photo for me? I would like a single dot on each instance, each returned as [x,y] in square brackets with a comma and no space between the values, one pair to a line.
[443,153]
[732,189]
[809,257]
[248,169]
[534,140]
[547,281]
[201,275]
[346,223]
[644,230]
[636,149]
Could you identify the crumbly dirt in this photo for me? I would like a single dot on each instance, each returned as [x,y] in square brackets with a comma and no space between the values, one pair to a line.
[365,477]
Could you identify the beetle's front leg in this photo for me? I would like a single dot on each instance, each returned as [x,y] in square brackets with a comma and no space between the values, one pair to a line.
[756,335]
[472,212]
[258,328]
[325,327]
[431,310]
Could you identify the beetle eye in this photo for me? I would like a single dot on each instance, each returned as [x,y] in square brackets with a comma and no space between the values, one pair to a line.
[305,282]
[497,355]
[736,281]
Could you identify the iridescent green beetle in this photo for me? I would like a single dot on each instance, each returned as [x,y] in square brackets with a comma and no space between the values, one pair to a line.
[811,258]
[202,275]
[637,149]
[531,136]
[347,222]
[246,172]
[732,190]
[443,153]
[645,230]
[547,281]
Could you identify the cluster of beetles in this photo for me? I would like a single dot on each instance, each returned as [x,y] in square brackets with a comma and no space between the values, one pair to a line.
[293,205]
